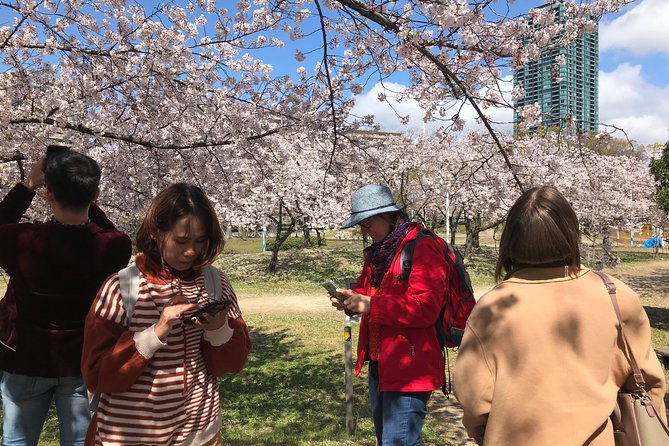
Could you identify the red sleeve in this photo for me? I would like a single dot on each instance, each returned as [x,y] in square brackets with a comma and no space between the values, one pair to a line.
[110,362]
[420,305]
[12,207]
[15,204]
[231,356]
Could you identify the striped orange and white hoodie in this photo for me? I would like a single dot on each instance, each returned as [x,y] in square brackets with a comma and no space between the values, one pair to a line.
[153,392]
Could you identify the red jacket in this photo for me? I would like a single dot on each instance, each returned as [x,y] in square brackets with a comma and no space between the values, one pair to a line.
[55,272]
[410,359]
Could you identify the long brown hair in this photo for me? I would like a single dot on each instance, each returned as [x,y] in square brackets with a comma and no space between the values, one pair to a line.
[170,205]
[541,230]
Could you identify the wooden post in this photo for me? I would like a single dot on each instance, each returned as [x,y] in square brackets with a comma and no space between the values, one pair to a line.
[348,366]
[348,370]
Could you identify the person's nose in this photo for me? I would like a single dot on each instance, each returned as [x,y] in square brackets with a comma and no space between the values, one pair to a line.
[190,251]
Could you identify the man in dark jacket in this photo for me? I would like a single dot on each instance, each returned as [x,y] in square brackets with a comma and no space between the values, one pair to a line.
[55,270]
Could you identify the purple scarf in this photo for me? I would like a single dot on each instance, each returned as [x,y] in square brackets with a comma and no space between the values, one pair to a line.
[382,253]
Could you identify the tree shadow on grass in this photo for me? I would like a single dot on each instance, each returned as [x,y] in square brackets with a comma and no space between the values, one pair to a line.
[659,317]
[288,394]
[447,414]
[651,286]
[306,265]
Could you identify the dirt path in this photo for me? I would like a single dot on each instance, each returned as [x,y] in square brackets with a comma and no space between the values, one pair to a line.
[303,303]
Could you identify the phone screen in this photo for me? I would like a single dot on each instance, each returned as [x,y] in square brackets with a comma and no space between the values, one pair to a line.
[209,308]
[331,287]
[55,150]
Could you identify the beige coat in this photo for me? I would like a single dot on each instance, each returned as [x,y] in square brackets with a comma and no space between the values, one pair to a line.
[541,362]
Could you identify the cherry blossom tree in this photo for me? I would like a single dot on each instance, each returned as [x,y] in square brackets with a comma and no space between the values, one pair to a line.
[252,100]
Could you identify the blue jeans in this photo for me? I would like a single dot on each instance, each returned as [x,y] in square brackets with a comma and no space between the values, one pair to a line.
[398,416]
[26,401]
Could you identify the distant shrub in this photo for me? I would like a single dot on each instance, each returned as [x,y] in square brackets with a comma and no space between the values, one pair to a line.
[290,243]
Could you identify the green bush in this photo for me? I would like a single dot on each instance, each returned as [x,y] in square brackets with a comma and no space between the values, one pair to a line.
[294,243]
[290,243]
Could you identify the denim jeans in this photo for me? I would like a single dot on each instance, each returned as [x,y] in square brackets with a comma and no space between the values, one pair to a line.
[398,416]
[26,401]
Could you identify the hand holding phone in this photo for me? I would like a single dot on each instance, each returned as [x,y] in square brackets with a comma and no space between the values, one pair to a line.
[212,307]
[331,287]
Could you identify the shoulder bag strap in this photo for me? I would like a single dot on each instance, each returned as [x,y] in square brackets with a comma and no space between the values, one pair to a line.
[610,286]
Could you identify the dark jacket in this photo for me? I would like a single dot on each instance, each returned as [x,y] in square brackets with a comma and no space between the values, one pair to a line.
[55,272]
[410,359]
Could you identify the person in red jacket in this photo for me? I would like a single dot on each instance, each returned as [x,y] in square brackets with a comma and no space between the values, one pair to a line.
[55,270]
[397,330]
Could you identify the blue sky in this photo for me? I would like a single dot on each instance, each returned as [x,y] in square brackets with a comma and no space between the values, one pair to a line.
[633,78]
[633,81]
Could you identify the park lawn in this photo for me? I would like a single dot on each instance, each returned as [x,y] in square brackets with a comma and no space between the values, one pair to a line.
[292,390]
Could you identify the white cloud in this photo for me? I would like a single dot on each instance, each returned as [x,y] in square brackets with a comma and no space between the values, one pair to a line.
[641,30]
[626,100]
[387,112]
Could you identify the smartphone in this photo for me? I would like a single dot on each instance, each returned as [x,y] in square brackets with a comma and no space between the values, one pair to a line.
[208,308]
[55,150]
[331,287]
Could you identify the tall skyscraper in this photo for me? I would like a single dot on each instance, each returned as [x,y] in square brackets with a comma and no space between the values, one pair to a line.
[576,94]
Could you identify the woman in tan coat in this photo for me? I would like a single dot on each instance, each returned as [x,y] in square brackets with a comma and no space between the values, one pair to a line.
[541,360]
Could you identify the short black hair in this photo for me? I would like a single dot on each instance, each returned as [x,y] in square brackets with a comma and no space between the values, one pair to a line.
[73,178]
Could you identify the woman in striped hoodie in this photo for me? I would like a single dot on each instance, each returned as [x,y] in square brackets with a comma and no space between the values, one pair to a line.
[156,367]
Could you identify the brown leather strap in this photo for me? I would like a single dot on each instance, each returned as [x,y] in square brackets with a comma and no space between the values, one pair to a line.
[611,288]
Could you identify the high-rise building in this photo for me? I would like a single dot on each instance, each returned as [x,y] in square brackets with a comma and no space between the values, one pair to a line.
[576,94]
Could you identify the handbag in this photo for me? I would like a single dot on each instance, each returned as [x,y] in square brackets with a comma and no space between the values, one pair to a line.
[635,421]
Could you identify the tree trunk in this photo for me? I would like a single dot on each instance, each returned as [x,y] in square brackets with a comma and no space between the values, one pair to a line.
[453,222]
[477,231]
[282,234]
[319,238]
[473,229]
[469,240]
[306,231]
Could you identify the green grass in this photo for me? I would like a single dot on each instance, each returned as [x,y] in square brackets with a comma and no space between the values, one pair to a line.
[291,391]
[297,270]
[292,388]
[302,270]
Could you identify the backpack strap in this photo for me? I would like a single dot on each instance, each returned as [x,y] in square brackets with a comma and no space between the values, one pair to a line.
[406,256]
[212,282]
[128,279]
